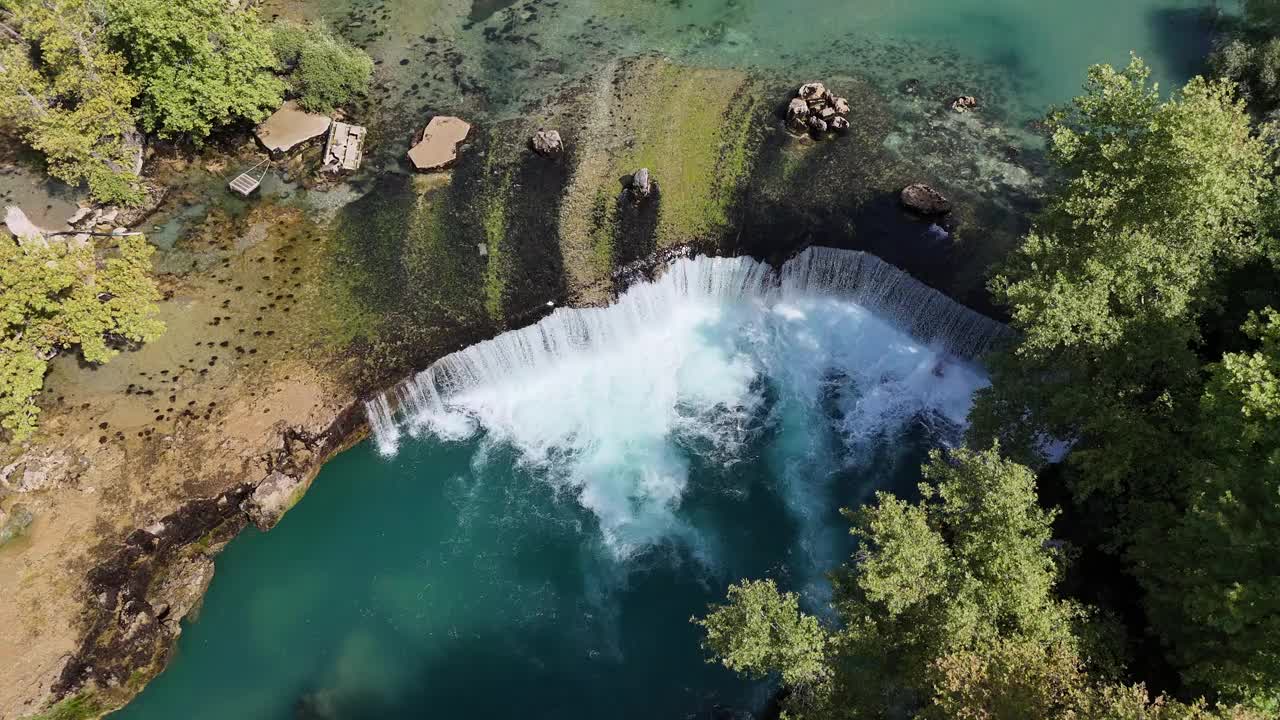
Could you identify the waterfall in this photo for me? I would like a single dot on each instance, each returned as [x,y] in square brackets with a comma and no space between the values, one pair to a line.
[925,314]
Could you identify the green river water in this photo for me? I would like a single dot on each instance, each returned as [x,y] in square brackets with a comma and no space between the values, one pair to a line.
[537,549]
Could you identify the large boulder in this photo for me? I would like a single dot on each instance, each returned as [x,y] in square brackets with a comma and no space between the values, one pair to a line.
[924,200]
[437,147]
[547,143]
[812,92]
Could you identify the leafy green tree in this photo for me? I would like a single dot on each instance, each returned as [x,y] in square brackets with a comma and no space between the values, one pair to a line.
[1157,199]
[68,95]
[57,296]
[967,569]
[199,65]
[1213,586]
[947,612]
[760,631]
[323,70]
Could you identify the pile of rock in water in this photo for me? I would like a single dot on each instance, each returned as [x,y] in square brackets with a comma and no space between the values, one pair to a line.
[815,109]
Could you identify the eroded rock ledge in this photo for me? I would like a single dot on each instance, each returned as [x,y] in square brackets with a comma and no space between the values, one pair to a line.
[138,597]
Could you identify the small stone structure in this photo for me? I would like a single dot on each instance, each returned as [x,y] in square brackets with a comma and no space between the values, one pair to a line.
[289,127]
[437,147]
[344,148]
[815,109]
[964,103]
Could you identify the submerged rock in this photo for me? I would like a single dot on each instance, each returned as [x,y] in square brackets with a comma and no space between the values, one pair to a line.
[924,200]
[964,103]
[547,143]
[817,124]
[839,124]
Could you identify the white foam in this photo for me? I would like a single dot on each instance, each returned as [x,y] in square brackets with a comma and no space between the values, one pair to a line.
[604,402]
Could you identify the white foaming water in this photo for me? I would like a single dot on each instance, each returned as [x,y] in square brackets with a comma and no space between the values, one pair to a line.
[606,402]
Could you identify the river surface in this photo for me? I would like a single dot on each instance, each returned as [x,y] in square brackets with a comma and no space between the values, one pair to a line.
[534,542]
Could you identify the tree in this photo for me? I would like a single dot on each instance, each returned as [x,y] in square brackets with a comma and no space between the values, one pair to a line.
[761,630]
[57,296]
[68,95]
[324,70]
[934,585]
[947,613]
[1157,199]
[1213,582]
[198,64]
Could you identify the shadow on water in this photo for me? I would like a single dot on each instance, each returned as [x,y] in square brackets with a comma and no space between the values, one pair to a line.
[1184,38]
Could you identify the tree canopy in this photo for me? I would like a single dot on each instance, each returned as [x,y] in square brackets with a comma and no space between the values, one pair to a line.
[81,79]
[198,64]
[59,296]
[947,611]
[1127,295]
[68,95]
[323,70]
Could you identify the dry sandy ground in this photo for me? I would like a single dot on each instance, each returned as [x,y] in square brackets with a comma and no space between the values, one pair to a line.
[121,446]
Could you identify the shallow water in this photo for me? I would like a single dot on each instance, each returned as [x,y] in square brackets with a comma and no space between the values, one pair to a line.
[539,547]
[1020,56]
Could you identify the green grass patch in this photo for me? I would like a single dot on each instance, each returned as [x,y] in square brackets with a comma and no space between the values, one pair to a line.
[695,133]
[81,706]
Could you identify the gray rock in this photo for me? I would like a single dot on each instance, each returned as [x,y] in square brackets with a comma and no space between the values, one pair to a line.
[841,106]
[924,200]
[826,114]
[964,103]
[272,499]
[641,184]
[839,124]
[797,115]
[817,124]
[547,143]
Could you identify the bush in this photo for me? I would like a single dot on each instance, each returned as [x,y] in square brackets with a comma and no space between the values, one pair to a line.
[56,296]
[324,70]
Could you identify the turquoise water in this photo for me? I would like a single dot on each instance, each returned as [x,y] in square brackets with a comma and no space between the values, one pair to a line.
[1017,55]
[539,548]
[541,544]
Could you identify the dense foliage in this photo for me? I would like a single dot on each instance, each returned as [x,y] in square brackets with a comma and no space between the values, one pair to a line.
[81,79]
[948,611]
[57,296]
[1248,52]
[324,70]
[1145,299]
[198,64]
[68,95]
